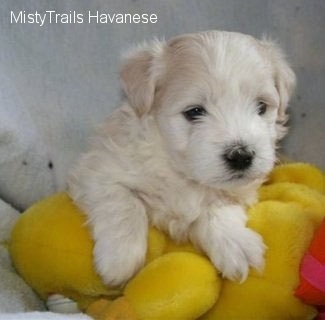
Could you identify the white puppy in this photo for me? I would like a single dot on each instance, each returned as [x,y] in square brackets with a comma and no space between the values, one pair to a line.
[186,152]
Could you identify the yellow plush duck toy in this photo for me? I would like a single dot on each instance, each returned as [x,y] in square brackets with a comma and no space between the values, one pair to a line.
[51,249]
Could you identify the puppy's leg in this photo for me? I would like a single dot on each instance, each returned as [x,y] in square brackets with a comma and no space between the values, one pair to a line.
[231,246]
[119,225]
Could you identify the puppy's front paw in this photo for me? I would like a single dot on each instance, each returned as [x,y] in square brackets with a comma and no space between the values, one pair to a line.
[239,251]
[117,264]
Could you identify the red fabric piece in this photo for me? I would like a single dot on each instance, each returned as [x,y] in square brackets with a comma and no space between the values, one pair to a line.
[312,272]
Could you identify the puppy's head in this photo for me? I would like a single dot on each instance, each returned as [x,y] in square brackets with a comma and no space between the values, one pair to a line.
[220,101]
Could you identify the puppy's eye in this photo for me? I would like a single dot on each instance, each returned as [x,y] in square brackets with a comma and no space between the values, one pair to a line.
[194,113]
[261,108]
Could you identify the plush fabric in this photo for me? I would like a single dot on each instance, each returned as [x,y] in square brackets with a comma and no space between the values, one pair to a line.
[52,250]
[15,294]
[17,300]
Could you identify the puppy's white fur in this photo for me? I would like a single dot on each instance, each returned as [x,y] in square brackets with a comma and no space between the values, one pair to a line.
[150,165]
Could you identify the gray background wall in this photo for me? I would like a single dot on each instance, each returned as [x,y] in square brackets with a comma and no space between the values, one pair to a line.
[61,79]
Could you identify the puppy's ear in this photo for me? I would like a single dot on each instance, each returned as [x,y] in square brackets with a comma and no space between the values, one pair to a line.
[284,78]
[285,82]
[139,75]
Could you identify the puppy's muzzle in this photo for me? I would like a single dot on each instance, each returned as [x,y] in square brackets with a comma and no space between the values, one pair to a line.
[238,157]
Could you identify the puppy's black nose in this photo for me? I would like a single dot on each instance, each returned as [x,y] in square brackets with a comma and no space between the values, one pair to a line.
[239,157]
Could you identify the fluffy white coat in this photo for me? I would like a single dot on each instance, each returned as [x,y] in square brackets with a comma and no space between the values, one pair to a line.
[150,164]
